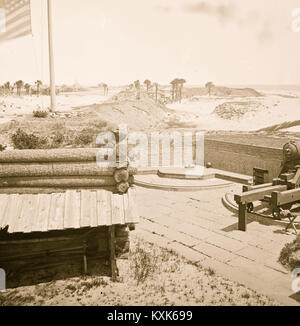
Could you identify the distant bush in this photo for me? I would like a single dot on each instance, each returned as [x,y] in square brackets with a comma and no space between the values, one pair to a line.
[176,123]
[22,140]
[58,139]
[85,136]
[100,124]
[40,114]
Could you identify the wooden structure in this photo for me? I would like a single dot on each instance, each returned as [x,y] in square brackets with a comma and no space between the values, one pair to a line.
[259,176]
[56,205]
[281,194]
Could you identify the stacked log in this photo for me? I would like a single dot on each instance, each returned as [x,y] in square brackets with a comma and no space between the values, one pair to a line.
[49,171]
[60,169]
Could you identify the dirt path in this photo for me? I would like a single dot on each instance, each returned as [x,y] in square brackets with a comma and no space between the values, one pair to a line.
[196,225]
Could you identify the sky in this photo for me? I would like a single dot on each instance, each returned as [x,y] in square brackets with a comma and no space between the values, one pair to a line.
[118,41]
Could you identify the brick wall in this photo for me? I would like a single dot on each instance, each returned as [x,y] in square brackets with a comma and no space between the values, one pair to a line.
[241,158]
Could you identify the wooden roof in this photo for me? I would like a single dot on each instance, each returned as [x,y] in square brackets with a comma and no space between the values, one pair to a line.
[72,209]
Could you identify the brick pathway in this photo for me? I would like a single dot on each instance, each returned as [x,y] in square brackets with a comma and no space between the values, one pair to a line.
[199,227]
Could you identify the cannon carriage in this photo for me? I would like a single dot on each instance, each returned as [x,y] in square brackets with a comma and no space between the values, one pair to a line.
[280,194]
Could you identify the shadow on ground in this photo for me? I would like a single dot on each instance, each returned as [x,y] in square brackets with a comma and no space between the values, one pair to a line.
[25,276]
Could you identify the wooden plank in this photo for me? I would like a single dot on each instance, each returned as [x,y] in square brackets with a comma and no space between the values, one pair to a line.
[104,207]
[42,213]
[56,215]
[9,212]
[133,212]
[13,227]
[117,208]
[93,202]
[85,208]
[126,207]
[3,204]
[26,215]
[121,205]
[72,209]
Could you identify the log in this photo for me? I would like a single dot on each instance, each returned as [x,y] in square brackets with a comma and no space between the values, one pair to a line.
[59,182]
[121,175]
[49,155]
[122,187]
[57,169]
[46,190]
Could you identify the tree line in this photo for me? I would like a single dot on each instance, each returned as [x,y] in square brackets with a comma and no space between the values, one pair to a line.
[19,85]
[176,88]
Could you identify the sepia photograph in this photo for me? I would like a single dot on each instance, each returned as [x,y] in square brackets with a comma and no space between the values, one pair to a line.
[150,155]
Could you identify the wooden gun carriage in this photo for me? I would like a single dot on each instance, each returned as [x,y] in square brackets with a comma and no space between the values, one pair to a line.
[280,194]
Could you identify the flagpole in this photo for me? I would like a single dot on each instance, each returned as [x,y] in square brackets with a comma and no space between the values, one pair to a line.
[51,58]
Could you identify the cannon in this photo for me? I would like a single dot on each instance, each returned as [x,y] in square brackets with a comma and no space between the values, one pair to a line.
[280,194]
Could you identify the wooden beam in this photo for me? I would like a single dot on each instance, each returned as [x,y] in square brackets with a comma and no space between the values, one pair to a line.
[250,187]
[292,183]
[279,198]
[242,225]
[84,257]
[257,194]
[112,252]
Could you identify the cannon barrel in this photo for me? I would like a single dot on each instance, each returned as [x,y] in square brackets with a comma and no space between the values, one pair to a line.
[291,151]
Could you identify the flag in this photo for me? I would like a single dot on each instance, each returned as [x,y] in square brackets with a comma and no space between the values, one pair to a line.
[15,19]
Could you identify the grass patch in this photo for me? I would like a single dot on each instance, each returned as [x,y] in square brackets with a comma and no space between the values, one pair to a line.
[40,114]
[53,133]
[143,262]
[85,137]
[23,140]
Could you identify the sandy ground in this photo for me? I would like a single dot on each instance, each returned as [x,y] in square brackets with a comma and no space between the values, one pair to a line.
[272,108]
[12,107]
[169,280]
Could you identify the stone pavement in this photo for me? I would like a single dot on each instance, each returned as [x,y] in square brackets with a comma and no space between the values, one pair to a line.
[198,226]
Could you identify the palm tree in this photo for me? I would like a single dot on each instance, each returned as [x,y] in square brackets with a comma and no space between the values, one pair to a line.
[173,91]
[147,82]
[181,81]
[27,88]
[177,85]
[38,84]
[105,89]
[156,89]
[209,87]
[19,84]
[7,86]
[137,85]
